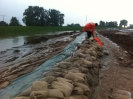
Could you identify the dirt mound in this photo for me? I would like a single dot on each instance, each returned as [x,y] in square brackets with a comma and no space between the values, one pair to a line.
[124,41]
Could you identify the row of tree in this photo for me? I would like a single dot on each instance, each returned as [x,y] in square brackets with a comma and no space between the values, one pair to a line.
[38,16]
[113,23]
[13,22]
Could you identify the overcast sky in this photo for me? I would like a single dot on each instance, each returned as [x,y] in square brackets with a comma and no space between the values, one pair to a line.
[75,10]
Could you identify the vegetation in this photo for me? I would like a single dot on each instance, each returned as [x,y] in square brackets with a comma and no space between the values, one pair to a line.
[6,31]
[38,16]
[123,22]
[2,23]
[14,22]
[130,26]
[113,23]
[73,25]
[108,24]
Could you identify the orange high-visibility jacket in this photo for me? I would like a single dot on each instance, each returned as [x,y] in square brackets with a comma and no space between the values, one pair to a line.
[89,27]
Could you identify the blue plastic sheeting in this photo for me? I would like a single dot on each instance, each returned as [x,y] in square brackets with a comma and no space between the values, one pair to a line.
[21,83]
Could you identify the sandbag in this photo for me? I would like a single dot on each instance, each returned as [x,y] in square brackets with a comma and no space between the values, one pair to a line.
[39,94]
[78,97]
[78,91]
[88,63]
[123,92]
[4,84]
[63,79]
[88,57]
[27,92]
[65,89]
[80,55]
[83,70]
[39,86]
[74,70]
[21,98]
[83,86]
[93,58]
[93,53]
[55,93]
[74,77]
[57,69]
[48,79]
[120,96]
[63,65]
[66,83]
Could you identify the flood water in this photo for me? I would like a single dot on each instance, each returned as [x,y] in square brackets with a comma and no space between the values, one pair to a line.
[7,43]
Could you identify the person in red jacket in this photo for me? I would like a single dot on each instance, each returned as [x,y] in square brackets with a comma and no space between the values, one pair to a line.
[89,28]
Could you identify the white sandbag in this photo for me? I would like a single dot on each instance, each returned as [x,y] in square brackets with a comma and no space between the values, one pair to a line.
[123,92]
[63,79]
[78,91]
[88,63]
[55,93]
[67,83]
[74,77]
[39,94]
[74,70]
[93,58]
[21,98]
[120,96]
[39,86]
[83,70]
[65,89]
[93,53]
[48,79]
[83,86]
[78,97]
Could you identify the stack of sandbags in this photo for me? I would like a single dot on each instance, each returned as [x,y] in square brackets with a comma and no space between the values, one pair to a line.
[74,78]
[121,94]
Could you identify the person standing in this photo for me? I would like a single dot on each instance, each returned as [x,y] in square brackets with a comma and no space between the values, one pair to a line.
[89,28]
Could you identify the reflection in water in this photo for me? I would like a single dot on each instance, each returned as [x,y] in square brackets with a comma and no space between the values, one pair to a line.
[11,42]
[18,41]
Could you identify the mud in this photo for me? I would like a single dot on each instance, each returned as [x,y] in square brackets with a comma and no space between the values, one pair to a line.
[125,41]
[117,71]
[20,60]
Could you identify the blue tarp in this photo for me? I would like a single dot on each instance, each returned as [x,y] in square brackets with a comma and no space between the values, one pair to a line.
[21,83]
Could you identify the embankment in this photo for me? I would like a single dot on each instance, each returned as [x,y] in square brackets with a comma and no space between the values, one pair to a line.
[74,78]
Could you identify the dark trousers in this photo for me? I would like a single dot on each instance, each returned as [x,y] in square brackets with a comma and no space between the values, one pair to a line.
[89,33]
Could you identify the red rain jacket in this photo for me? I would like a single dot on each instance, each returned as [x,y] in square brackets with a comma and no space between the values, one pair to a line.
[89,27]
[98,41]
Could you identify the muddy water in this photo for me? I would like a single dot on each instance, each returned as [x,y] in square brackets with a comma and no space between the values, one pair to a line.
[7,43]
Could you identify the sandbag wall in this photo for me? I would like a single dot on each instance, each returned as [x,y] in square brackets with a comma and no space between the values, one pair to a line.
[74,78]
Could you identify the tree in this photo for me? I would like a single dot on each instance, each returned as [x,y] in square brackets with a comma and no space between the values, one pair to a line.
[2,23]
[111,24]
[34,16]
[131,26]
[61,19]
[56,18]
[73,25]
[38,16]
[14,22]
[102,24]
[123,22]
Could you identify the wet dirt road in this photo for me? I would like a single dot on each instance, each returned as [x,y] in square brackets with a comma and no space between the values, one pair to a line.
[114,74]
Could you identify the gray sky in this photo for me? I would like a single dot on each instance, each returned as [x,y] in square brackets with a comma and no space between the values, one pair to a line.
[75,10]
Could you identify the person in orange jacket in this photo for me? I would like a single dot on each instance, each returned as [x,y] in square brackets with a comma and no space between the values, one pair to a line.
[89,28]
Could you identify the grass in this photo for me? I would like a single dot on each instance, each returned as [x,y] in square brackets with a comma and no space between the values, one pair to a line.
[12,31]
[8,31]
